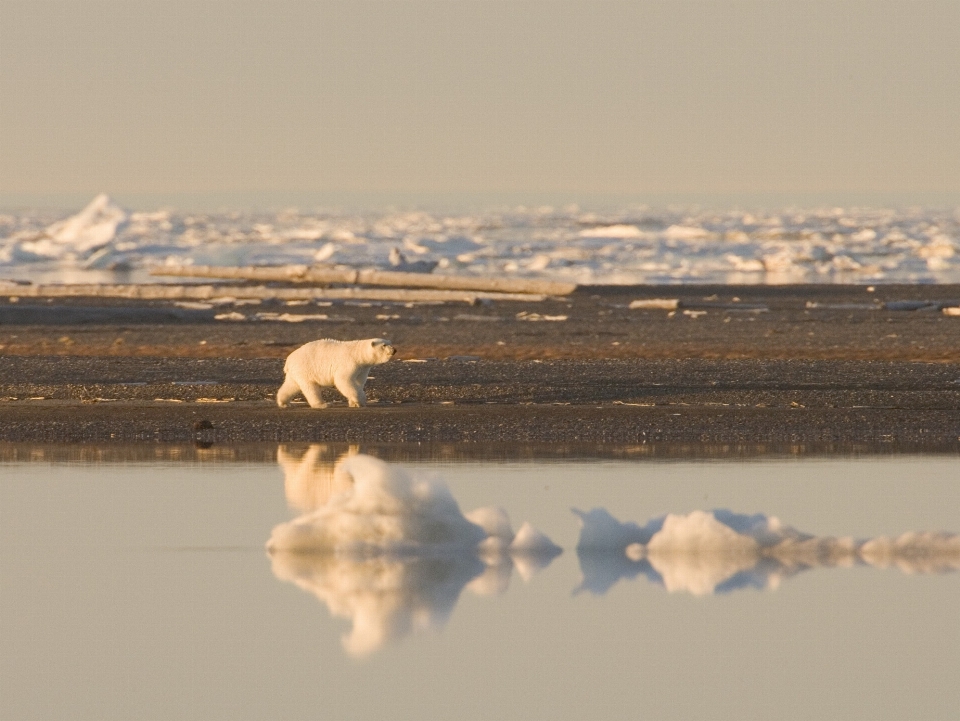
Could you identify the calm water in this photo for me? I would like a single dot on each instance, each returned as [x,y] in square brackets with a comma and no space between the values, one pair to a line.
[143,590]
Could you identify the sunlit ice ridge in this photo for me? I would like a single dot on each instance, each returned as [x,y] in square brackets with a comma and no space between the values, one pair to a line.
[107,242]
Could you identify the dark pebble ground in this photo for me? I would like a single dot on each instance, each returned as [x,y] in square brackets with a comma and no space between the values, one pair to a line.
[792,366]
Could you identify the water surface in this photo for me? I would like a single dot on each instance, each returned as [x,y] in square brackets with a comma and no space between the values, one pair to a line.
[143,590]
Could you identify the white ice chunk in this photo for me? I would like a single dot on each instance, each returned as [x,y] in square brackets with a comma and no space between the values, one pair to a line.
[496,523]
[705,552]
[387,551]
[539,262]
[92,228]
[697,532]
[342,235]
[780,262]
[449,246]
[745,265]
[325,253]
[686,232]
[940,246]
[361,503]
[612,231]
[399,262]
[845,263]
[384,510]
[530,540]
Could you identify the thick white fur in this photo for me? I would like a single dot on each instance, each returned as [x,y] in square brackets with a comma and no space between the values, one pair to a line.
[343,364]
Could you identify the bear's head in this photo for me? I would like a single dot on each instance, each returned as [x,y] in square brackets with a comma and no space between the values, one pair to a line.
[378,350]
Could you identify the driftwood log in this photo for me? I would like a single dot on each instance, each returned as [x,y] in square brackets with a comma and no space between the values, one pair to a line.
[139,291]
[393,279]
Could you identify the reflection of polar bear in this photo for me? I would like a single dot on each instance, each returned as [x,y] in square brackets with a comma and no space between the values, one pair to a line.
[343,364]
[311,477]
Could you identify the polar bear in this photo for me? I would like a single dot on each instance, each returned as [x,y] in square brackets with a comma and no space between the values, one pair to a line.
[340,363]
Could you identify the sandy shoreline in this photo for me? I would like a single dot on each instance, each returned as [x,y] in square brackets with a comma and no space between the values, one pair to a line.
[781,365]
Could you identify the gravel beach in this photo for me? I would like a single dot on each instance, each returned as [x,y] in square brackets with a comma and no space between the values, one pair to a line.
[814,365]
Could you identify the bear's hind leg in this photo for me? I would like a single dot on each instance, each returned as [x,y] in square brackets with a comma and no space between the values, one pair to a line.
[311,391]
[288,391]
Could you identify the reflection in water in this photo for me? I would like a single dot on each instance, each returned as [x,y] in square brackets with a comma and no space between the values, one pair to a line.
[312,476]
[706,552]
[390,552]
[385,596]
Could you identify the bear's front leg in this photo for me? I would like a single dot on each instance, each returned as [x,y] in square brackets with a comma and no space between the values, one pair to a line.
[351,391]
[311,391]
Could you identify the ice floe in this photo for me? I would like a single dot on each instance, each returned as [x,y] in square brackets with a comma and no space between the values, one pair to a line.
[388,551]
[612,231]
[77,236]
[360,504]
[382,510]
[392,552]
[708,552]
[628,245]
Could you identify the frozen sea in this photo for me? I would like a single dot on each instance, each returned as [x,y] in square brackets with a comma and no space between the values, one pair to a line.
[105,242]
[787,588]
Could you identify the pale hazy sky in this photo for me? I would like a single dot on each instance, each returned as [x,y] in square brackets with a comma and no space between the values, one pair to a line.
[250,101]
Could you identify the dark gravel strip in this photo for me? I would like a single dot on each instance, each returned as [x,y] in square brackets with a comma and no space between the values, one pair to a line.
[247,422]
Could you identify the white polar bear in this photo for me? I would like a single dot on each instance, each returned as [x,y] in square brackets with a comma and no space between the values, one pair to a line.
[340,363]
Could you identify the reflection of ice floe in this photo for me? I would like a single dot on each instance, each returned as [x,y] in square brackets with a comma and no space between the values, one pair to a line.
[386,597]
[389,551]
[707,552]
